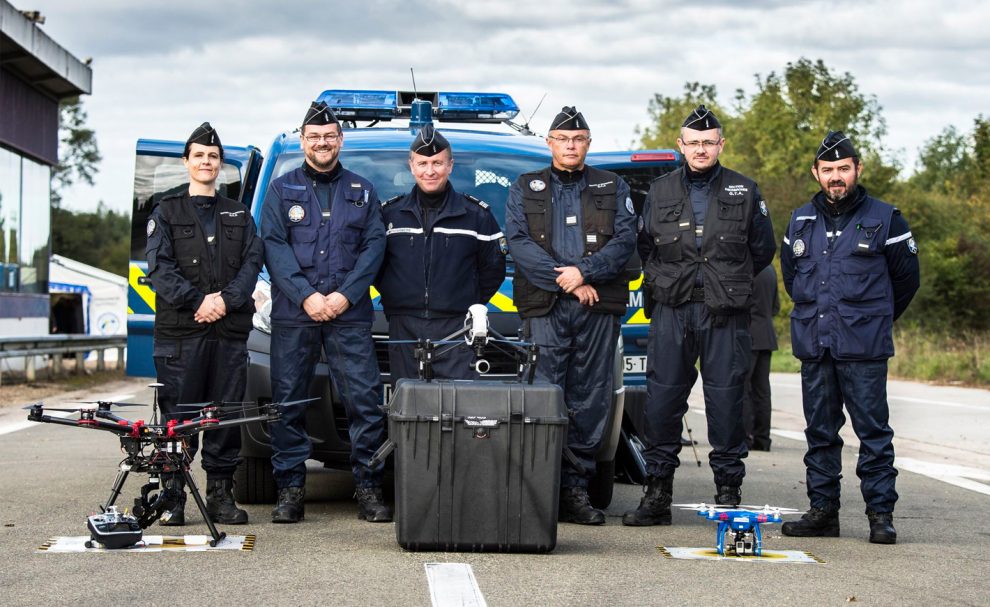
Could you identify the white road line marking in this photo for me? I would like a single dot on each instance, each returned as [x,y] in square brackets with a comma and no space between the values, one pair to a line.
[23,424]
[910,399]
[791,434]
[453,585]
[960,476]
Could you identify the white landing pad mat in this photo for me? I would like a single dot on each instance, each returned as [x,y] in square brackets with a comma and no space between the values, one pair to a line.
[768,556]
[153,543]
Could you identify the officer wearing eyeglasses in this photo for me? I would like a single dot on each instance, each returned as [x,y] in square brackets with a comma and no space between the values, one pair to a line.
[324,241]
[571,231]
[706,234]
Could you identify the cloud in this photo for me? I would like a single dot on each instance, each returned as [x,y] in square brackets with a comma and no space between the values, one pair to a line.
[252,67]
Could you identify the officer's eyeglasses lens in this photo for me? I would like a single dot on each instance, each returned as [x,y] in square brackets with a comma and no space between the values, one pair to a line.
[579,140]
[331,138]
[700,144]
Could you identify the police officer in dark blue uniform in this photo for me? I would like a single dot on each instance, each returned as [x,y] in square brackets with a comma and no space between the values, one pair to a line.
[444,252]
[324,244]
[203,260]
[757,407]
[850,264]
[706,233]
[571,230]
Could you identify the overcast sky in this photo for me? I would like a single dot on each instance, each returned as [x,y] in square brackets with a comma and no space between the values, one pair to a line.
[252,67]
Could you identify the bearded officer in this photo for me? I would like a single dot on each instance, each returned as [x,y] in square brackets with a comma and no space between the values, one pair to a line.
[706,234]
[203,260]
[324,245]
[571,231]
[850,264]
[444,252]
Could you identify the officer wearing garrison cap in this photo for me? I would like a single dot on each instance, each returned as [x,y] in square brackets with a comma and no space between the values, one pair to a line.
[850,264]
[444,252]
[324,243]
[203,260]
[706,234]
[572,230]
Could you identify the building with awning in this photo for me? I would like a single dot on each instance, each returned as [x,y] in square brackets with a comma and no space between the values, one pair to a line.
[35,74]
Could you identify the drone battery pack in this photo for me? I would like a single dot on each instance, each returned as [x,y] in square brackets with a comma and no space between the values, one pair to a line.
[477,464]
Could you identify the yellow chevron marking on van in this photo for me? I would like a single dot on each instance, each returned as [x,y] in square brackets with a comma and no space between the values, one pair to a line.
[143,291]
[639,318]
[635,284]
[503,303]
[374,293]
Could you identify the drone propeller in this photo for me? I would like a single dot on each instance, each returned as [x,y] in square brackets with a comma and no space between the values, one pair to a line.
[109,403]
[704,506]
[769,508]
[219,405]
[289,403]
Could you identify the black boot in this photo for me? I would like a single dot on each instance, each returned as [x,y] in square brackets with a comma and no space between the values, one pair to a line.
[728,495]
[174,485]
[817,522]
[882,527]
[372,506]
[291,505]
[220,502]
[575,507]
[654,508]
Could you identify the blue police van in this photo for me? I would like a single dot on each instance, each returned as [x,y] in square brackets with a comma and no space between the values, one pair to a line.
[487,162]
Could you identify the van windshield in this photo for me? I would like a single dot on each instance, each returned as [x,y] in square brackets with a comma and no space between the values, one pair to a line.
[485,176]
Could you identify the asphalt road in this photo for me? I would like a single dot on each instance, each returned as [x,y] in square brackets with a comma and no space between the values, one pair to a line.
[52,477]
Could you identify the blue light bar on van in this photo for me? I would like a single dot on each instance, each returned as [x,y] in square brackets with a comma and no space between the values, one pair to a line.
[475,107]
[362,105]
[447,107]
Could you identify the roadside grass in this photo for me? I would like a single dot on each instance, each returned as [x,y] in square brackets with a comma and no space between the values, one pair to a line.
[15,390]
[936,357]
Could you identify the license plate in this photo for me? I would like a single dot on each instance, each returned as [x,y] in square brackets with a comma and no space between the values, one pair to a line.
[634,364]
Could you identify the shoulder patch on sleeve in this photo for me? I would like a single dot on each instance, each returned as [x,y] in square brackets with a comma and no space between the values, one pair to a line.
[481,203]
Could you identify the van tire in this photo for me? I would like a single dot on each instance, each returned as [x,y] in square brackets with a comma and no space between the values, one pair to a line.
[254,482]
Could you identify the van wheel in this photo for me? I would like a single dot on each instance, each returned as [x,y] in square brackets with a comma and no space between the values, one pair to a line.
[254,482]
[601,485]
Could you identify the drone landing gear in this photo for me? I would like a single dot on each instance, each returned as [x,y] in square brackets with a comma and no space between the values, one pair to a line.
[149,508]
[744,542]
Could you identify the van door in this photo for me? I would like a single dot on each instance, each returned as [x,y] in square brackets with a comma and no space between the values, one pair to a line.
[159,172]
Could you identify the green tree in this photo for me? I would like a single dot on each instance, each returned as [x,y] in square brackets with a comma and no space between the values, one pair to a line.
[100,239]
[772,135]
[79,154]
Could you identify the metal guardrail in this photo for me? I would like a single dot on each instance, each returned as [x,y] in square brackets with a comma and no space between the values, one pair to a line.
[57,346]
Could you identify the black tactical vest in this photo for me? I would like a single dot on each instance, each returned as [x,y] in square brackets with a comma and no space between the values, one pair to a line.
[598,220]
[724,258]
[209,270]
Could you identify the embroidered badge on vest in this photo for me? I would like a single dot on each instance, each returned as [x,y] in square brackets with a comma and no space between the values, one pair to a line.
[297,213]
[537,185]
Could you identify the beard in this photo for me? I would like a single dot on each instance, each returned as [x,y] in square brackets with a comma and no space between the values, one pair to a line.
[838,190]
[317,164]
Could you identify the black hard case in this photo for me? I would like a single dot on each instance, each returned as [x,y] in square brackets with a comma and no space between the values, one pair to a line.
[477,464]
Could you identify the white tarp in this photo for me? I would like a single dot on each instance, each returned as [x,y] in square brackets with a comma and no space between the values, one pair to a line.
[104,295]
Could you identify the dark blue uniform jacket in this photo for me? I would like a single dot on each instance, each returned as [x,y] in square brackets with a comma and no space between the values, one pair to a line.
[307,253]
[441,270]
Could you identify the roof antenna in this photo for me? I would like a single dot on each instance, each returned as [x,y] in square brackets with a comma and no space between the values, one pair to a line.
[524,128]
[413,74]
[542,99]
